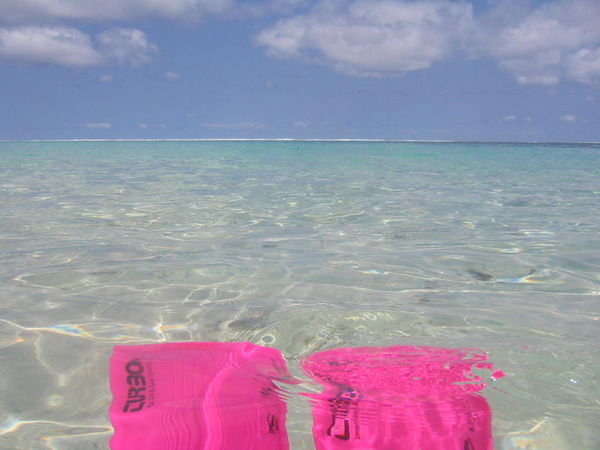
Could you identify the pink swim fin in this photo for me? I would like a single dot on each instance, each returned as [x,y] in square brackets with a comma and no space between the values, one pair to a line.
[201,396]
[408,398]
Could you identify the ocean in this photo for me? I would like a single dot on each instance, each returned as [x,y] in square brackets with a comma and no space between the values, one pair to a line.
[304,247]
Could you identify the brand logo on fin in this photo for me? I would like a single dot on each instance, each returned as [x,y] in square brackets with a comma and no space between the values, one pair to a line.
[136,394]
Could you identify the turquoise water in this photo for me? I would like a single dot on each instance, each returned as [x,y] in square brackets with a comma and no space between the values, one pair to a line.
[303,246]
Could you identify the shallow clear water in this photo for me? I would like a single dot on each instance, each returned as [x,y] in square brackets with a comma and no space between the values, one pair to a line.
[303,246]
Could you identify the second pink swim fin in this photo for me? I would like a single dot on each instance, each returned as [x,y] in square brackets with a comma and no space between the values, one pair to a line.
[411,398]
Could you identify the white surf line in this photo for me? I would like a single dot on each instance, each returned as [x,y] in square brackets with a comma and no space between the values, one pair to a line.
[230,140]
[457,141]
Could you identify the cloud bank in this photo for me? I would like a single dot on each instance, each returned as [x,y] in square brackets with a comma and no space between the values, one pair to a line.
[32,31]
[557,40]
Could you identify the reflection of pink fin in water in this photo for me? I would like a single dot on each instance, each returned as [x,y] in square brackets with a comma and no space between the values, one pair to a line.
[399,398]
[197,396]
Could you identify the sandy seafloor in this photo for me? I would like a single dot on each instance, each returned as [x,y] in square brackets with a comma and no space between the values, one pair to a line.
[303,246]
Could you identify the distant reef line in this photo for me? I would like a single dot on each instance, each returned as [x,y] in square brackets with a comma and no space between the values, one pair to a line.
[423,141]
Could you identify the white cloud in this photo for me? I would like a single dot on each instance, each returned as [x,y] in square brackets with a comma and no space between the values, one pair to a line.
[584,65]
[70,47]
[35,10]
[54,45]
[513,118]
[27,11]
[372,37]
[126,46]
[172,76]
[299,124]
[569,118]
[98,125]
[252,125]
[538,47]
[105,79]
[146,126]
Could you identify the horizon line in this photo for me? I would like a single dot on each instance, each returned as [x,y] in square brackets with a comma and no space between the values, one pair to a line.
[431,141]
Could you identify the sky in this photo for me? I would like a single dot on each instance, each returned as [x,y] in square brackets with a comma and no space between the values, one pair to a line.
[496,70]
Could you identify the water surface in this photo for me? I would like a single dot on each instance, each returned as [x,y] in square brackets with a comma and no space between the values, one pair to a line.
[302,246]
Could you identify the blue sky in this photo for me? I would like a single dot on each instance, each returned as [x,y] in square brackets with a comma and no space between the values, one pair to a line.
[389,69]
